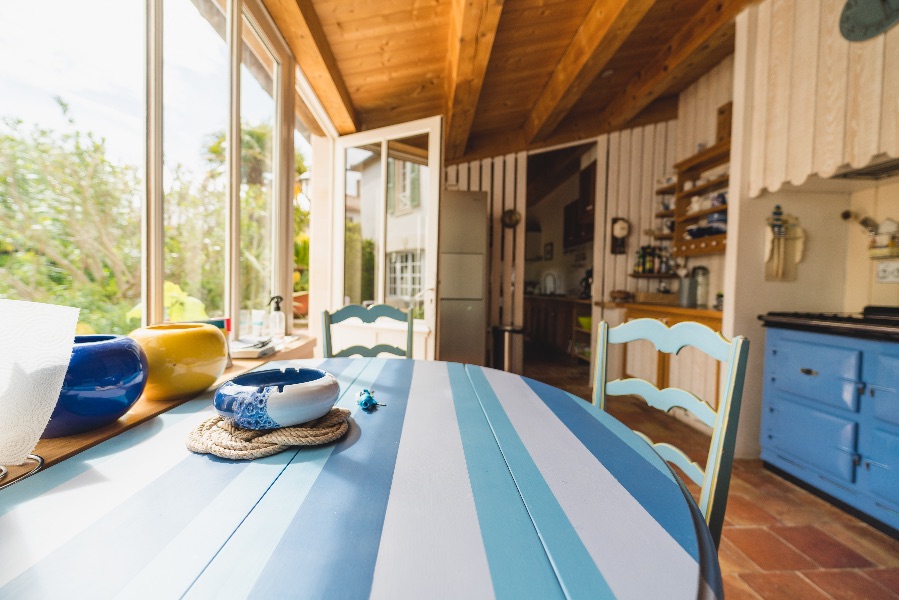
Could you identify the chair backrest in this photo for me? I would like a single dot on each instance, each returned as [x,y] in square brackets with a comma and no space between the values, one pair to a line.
[714,479]
[367,315]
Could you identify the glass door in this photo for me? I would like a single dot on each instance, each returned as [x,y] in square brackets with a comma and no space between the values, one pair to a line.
[387,188]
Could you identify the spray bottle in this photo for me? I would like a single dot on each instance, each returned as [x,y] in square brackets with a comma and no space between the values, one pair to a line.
[276,320]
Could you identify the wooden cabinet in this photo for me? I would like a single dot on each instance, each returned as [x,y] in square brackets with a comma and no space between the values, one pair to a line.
[830,417]
[550,320]
[575,232]
[697,177]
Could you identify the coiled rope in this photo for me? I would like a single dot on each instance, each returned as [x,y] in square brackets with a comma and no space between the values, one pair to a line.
[221,437]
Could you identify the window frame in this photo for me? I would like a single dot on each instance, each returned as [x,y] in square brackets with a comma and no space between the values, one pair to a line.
[153,226]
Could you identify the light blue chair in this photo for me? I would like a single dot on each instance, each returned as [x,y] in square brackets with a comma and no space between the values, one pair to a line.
[366,315]
[714,480]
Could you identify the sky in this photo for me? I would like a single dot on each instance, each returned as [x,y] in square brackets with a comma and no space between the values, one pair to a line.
[91,54]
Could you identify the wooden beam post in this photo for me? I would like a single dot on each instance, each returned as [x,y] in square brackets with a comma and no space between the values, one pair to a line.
[687,47]
[473,25]
[605,28]
[302,29]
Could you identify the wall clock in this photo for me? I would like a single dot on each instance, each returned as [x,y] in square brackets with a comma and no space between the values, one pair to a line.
[863,19]
[620,229]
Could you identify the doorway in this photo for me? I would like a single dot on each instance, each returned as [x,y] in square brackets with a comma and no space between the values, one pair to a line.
[561,203]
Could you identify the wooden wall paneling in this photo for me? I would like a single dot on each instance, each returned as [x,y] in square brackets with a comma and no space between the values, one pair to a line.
[726,83]
[508,255]
[647,197]
[704,109]
[610,281]
[889,120]
[830,105]
[463,176]
[635,199]
[760,101]
[624,261]
[474,176]
[804,77]
[521,184]
[671,147]
[486,174]
[496,270]
[863,100]
[601,217]
[779,67]
[451,180]
[687,123]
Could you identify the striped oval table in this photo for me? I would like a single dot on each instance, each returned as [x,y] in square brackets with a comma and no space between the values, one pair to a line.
[469,483]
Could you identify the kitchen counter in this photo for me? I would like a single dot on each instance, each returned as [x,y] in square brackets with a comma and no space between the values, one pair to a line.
[558,298]
[636,310]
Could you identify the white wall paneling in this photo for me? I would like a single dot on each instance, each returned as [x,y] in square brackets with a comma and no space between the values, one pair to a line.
[819,103]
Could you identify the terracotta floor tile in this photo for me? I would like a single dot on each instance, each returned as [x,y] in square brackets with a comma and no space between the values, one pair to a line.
[783,586]
[742,511]
[731,559]
[821,547]
[877,547]
[767,550]
[849,585]
[888,578]
[737,589]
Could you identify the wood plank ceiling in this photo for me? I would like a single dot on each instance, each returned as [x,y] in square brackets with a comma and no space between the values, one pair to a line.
[508,75]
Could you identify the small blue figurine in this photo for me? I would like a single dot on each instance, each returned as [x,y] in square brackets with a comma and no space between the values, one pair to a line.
[367,401]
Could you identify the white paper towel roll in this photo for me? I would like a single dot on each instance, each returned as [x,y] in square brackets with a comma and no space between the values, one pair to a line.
[36,343]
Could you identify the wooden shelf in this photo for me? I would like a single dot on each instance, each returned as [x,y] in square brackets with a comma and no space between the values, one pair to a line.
[711,244]
[701,213]
[688,171]
[666,190]
[664,214]
[714,155]
[653,275]
[708,186]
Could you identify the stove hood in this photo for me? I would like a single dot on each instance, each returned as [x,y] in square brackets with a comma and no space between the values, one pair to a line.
[879,169]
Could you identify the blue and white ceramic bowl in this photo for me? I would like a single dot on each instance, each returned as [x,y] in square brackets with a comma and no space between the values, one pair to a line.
[276,398]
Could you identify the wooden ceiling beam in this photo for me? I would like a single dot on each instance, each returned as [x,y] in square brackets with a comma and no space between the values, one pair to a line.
[605,28]
[303,31]
[689,46]
[473,25]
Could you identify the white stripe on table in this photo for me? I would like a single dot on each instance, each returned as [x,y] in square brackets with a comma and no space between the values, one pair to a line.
[621,542]
[431,544]
[34,529]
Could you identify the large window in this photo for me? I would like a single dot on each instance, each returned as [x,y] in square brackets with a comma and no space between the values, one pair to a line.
[72,156]
[195,121]
[79,201]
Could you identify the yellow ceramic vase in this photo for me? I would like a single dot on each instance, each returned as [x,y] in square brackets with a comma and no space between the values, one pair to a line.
[184,358]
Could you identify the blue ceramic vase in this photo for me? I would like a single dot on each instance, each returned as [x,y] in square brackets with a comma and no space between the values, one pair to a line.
[276,398]
[106,375]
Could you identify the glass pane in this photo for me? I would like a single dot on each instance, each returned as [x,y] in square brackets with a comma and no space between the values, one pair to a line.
[363,237]
[257,118]
[301,211]
[72,126]
[195,104]
[407,211]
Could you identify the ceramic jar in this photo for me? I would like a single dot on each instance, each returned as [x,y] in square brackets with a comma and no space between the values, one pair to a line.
[184,358]
[276,398]
[105,377]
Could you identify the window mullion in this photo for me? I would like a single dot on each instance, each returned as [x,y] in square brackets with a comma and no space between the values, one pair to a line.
[153,225]
[232,160]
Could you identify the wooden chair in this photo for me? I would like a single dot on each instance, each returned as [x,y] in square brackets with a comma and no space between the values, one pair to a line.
[367,315]
[714,480]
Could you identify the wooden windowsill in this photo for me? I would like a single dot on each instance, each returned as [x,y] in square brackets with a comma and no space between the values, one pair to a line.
[55,450]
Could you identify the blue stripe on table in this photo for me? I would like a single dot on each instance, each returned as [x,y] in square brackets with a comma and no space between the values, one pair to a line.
[252,545]
[330,548]
[654,489]
[575,569]
[154,515]
[518,565]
